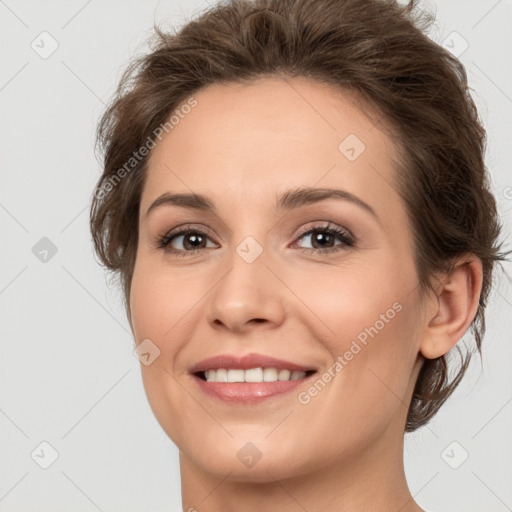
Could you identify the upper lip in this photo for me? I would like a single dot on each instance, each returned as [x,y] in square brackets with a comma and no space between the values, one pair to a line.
[246,362]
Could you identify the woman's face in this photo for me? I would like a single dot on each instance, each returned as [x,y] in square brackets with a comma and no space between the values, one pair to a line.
[259,274]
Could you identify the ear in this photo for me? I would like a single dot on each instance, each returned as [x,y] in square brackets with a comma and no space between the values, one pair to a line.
[453,307]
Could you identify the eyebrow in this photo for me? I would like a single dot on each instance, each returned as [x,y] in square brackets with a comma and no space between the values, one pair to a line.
[289,200]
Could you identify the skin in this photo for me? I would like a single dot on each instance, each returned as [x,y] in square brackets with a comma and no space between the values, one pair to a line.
[241,146]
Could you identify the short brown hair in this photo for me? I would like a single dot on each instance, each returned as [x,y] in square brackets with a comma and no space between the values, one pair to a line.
[376,49]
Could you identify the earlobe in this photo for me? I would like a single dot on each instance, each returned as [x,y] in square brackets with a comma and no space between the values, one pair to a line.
[454,307]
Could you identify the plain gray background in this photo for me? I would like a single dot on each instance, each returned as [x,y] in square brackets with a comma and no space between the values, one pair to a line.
[68,375]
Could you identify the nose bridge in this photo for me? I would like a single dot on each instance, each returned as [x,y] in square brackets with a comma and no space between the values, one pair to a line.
[248,290]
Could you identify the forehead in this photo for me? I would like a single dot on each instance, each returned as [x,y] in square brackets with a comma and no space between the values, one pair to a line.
[272,135]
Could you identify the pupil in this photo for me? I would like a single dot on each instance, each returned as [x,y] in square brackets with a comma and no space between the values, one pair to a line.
[194,240]
[322,237]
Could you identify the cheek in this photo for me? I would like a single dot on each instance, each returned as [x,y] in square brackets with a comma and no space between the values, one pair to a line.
[353,302]
[164,310]
[161,302]
[367,321]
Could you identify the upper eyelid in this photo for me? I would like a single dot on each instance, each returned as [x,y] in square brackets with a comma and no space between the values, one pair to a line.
[327,225]
[314,224]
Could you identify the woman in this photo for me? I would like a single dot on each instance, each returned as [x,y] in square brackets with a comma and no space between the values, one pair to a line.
[295,200]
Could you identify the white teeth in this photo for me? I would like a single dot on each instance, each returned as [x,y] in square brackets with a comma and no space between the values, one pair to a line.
[221,375]
[284,374]
[269,374]
[235,375]
[252,375]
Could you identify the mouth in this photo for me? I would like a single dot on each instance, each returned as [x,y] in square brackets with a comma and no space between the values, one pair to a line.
[238,387]
[246,379]
[252,375]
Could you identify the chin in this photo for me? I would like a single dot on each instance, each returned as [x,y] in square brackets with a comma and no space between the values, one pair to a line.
[247,463]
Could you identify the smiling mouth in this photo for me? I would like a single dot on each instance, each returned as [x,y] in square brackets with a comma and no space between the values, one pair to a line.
[250,387]
[252,375]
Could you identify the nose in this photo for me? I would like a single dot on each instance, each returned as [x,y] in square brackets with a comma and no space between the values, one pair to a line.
[247,296]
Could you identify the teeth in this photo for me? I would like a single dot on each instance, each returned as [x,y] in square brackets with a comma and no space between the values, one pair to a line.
[284,374]
[235,375]
[252,375]
[269,374]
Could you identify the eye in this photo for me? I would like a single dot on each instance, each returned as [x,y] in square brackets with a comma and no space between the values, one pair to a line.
[323,239]
[190,239]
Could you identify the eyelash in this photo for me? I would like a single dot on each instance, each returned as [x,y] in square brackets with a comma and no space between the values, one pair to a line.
[162,241]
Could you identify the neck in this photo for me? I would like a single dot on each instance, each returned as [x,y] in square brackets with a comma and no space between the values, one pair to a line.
[370,480]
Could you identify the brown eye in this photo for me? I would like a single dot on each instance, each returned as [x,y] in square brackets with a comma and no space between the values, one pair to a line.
[323,239]
[184,241]
[192,240]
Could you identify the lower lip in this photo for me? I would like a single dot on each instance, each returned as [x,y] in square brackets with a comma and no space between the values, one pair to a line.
[248,392]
